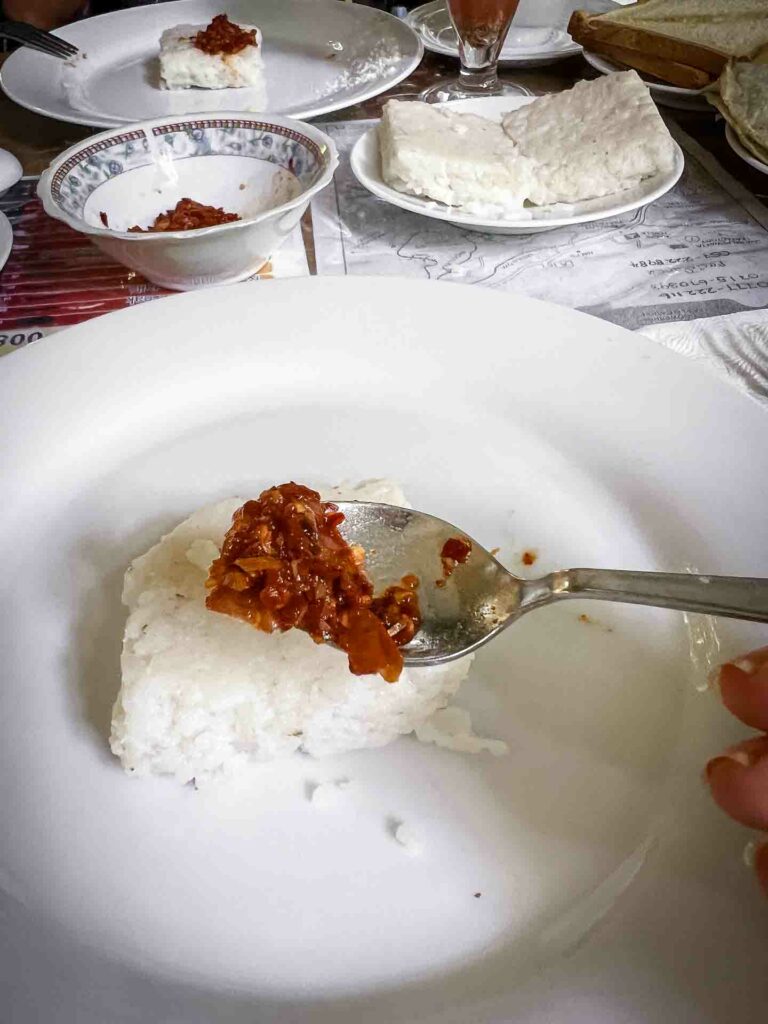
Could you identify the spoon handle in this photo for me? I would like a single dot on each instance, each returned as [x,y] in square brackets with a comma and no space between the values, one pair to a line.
[737,597]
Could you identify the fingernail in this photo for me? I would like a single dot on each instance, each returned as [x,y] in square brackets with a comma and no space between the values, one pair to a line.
[745,665]
[740,757]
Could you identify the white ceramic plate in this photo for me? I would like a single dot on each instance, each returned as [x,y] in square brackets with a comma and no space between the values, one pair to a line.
[537,36]
[126,900]
[365,161]
[6,239]
[10,170]
[735,144]
[666,95]
[320,55]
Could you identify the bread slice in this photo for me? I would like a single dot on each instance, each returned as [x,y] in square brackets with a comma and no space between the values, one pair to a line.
[735,27]
[594,34]
[671,71]
[702,34]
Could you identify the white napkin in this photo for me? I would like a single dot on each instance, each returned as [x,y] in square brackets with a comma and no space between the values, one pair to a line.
[734,346]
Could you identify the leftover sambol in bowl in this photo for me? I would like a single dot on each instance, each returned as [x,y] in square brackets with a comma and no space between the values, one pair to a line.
[191,202]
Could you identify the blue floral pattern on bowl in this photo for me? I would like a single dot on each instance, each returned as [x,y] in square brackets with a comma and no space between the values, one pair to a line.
[88,168]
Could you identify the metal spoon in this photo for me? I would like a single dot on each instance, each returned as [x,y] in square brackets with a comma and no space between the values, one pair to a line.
[481,598]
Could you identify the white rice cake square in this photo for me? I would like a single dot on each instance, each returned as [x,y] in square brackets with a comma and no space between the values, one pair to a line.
[597,138]
[204,693]
[458,159]
[184,66]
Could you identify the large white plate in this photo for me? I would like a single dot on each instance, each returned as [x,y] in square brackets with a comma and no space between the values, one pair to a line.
[365,161]
[126,900]
[320,55]
[537,36]
[667,95]
[735,143]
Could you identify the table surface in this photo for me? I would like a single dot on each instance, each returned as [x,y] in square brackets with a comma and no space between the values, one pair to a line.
[36,140]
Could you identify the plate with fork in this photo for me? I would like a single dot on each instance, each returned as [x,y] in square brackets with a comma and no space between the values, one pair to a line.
[319,56]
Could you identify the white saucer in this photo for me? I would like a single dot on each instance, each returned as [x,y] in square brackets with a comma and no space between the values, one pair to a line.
[733,141]
[524,46]
[527,44]
[6,239]
[365,162]
[667,95]
[10,170]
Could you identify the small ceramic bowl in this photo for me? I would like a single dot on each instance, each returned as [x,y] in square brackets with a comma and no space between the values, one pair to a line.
[265,169]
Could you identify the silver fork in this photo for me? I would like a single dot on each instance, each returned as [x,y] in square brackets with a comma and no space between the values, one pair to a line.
[36,39]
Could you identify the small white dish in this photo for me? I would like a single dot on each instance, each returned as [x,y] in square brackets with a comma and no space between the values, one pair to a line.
[10,170]
[528,44]
[733,141]
[6,239]
[365,161]
[265,170]
[666,95]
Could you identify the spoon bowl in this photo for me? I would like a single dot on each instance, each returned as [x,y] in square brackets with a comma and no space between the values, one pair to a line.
[480,598]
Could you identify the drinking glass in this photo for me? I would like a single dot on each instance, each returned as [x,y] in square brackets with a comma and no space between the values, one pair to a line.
[481,28]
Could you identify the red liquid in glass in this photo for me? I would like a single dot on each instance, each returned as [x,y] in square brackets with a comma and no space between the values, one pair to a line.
[481,22]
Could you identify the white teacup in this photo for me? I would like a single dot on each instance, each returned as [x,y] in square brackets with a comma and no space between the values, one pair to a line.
[554,13]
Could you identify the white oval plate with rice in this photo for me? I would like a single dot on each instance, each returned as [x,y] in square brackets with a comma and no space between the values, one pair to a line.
[531,427]
[365,161]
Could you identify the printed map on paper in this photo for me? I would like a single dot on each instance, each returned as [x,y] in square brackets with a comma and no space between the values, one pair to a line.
[699,251]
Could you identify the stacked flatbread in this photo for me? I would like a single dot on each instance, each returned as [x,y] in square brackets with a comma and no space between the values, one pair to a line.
[742,98]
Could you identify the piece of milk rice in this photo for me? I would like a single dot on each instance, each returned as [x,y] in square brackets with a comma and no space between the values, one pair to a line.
[203,692]
[184,66]
[597,138]
[458,159]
